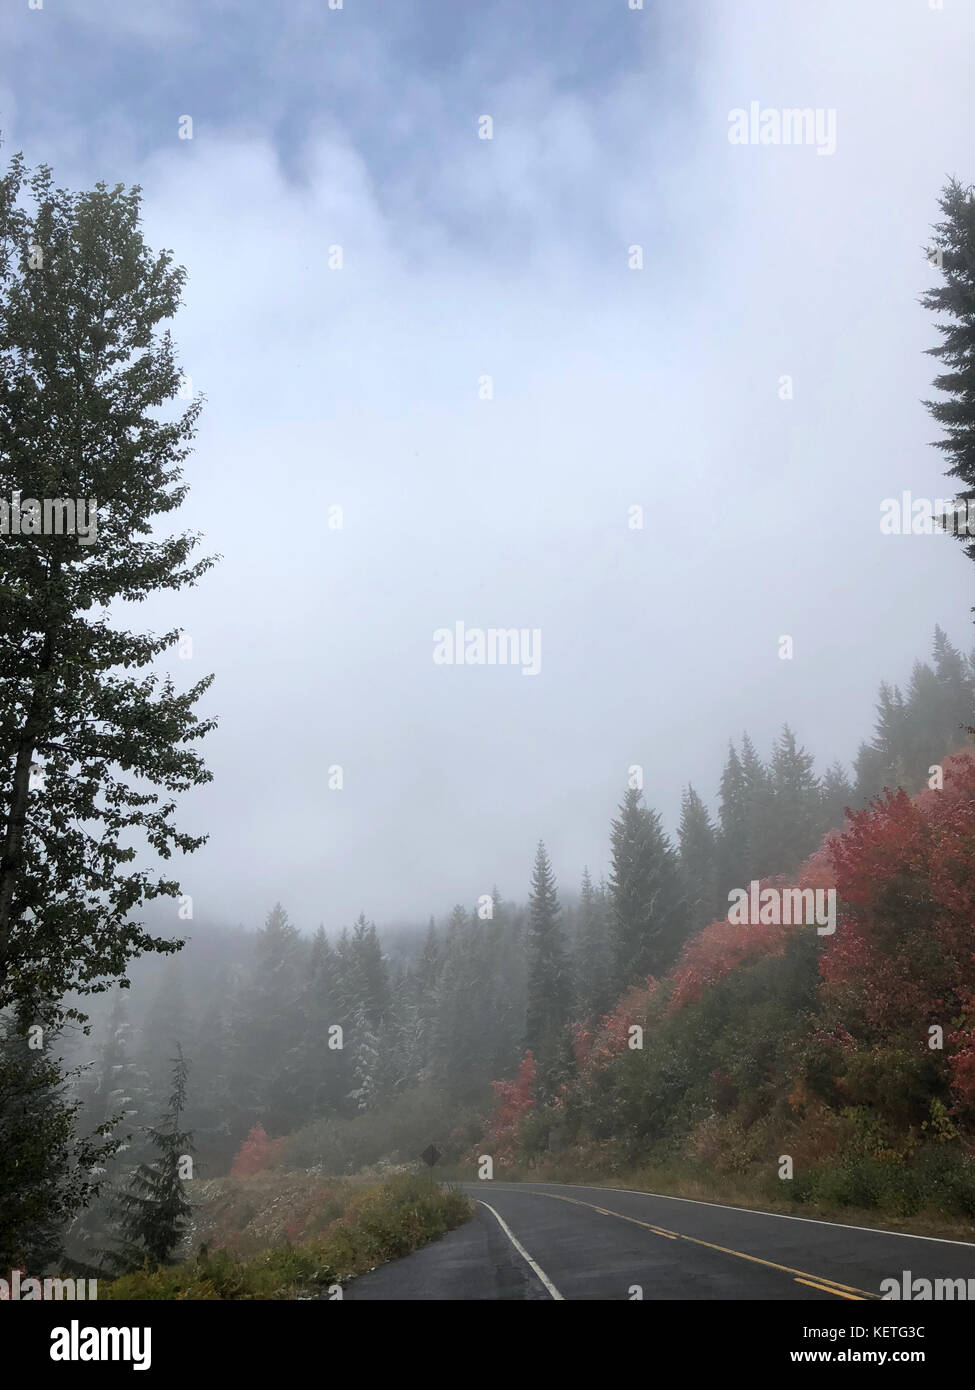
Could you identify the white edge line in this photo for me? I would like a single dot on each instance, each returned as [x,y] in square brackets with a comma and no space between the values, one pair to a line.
[537,1269]
[751,1211]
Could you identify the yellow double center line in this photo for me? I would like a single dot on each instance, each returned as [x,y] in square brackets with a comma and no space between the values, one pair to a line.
[813,1281]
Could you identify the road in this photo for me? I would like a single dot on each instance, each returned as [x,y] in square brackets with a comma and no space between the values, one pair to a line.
[549,1241]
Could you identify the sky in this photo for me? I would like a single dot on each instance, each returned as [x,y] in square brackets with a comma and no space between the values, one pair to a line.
[488,385]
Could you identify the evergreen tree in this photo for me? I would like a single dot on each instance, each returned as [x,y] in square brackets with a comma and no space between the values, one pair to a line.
[869,772]
[324,1066]
[760,812]
[366,1050]
[892,737]
[733,853]
[796,803]
[166,1024]
[927,738]
[648,923]
[425,982]
[549,983]
[954,239]
[153,1211]
[955,679]
[594,967]
[836,793]
[124,1085]
[698,857]
[472,1019]
[269,1029]
[508,944]
[48,1174]
[369,973]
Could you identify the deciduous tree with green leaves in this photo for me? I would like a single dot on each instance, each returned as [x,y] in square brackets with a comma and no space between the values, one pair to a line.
[93,748]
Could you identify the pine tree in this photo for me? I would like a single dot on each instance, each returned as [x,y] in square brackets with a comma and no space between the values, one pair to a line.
[892,737]
[324,1067]
[423,995]
[594,968]
[733,852]
[549,983]
[870,775]
[165,1025]
[472,1017]
[836,793]
[269,1028]
[955,678]
[954,240]
[366,1052]
[126,1086]
[760,813]
[369,971]
[698,857]
[648,923]
[48,1174]
[154,1210]
[796,804]
[927,738]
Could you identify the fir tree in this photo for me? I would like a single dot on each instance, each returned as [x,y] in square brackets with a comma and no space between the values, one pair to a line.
[698,861]
[955,680]
[836,793]
[269,1027]
[954,241]
[733,854]
[324,1068]
[870,775]
[154,1210]
[761,817]
[593,972]
[892,737]
[49,1175]
[549,984]
[648,924]
[796,803]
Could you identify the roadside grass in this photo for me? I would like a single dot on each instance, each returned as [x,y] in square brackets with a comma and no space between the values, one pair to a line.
[358,1229]
[902,1200]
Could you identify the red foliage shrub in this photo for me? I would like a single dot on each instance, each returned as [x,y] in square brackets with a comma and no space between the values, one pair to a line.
[513,1101]
[257,1154]
[902,958]
[722,946]
[596,1048]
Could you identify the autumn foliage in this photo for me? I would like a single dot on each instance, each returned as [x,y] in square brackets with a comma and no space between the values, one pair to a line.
[513,1101]
[903,963]
[595,1048]
[876,1058]
[257,1154]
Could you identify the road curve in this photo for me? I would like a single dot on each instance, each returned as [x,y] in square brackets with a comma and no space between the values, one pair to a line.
[555,1242]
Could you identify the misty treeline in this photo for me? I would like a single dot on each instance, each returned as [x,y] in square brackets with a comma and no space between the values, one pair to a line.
[301,1034]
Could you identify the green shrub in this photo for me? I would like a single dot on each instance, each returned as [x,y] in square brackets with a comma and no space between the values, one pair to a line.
[381,1223]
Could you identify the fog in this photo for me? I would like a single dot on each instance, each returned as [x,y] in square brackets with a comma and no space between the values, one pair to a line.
[612,388]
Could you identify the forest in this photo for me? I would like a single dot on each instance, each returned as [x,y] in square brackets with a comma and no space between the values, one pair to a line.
[506,1028]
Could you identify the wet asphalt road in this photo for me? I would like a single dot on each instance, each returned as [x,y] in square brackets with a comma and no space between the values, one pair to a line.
[548,1241]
